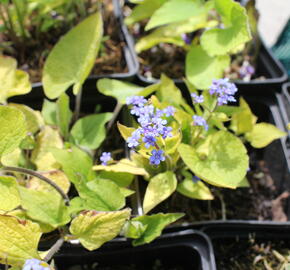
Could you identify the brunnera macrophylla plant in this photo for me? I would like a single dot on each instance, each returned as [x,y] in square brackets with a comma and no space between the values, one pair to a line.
[210,32]
[183,148]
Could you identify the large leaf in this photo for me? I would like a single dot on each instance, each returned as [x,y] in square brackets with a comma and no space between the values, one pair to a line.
[90,131]
[222,41]
[94,228]
[13,129]
[179,10]
[154,225]
[45,207]
[159,188]
[13,82]
[121,90]
[263,134]
[63,114]
[201,68]
[18,240]
[49,112]
[226,163]
[144,10]
[42,157]
[194,190]
[9,198]
[72,58]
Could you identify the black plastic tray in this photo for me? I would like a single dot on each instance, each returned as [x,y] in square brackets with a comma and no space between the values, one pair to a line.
[187,249]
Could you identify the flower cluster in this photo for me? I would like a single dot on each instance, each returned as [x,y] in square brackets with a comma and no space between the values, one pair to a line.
[35,264]
[246,71]
[224,90]
[152,125]
[105,158]
[199,121]
[196,98]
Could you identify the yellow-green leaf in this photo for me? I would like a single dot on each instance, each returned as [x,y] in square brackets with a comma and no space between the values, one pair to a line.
[159,188]
[9,198]
[71,60]
[263,134]
[94,228]
[125,131]
[13,81]
[13,129]
[18,240]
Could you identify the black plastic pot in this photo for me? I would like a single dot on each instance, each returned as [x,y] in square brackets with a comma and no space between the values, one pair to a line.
[284,103]
[183,250]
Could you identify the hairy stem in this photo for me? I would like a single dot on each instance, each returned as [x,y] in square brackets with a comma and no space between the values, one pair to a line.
[78,105]
[41,177]
[54,249]
[115,115]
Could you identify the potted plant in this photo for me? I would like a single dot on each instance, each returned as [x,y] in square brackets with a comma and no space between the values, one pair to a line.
[202,32]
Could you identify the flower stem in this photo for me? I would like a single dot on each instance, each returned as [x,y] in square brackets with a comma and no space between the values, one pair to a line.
[78,105]
[41,177]
[55,248]
[115,114]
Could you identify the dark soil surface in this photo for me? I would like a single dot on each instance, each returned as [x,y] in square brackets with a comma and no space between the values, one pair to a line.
[32,53]
[247,254]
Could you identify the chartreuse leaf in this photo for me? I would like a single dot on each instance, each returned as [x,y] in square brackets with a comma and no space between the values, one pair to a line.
[42,157]
[122,179]
[9,198]
[13,129]
[144,10]
[125,131]
[18,240]
[121,90]
[237,31]
[174,11]
[63,114]
[49,112]
[94,228]
[154,225]
[56,176]
[201,68]
[160,187]
[71,60]
[43,206]
[194,190]
[33,118]
[226,163]
[243,120]
[90,131]
[263,134]
[14,82]
[133,229]
[75,163]
[11,159]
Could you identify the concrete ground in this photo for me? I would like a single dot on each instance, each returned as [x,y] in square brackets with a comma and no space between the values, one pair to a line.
[274,14]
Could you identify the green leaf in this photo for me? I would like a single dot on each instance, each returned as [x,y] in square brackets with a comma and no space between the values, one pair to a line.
[144,10]
[94,228]
[134,229]
[33,118]
[263,134]
[194,190]
[201,69]
[126,132]
[14,82]
[121,90]
[75,163]
[159,188]
[63,114]
[120,178]
[243,120]
[154,225]
[174,11]
[49,112]
[18,240]
[71,60]
[46,139]
[13,129]
[90,131]
[237,32]
[226,164]
[9,199]
[45,207]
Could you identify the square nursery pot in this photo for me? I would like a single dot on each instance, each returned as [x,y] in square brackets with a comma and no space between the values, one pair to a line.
[284,102]
[183,250]
[267,66]
[247,245]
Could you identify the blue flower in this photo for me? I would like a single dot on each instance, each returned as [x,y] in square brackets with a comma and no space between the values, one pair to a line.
[133,141]
[224,90]
[136,100]
[149,141]
[197,98]
[186,38]
[169,111]
[35,264]
[200,121]
[156,157]
[105,158]
[195,179]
